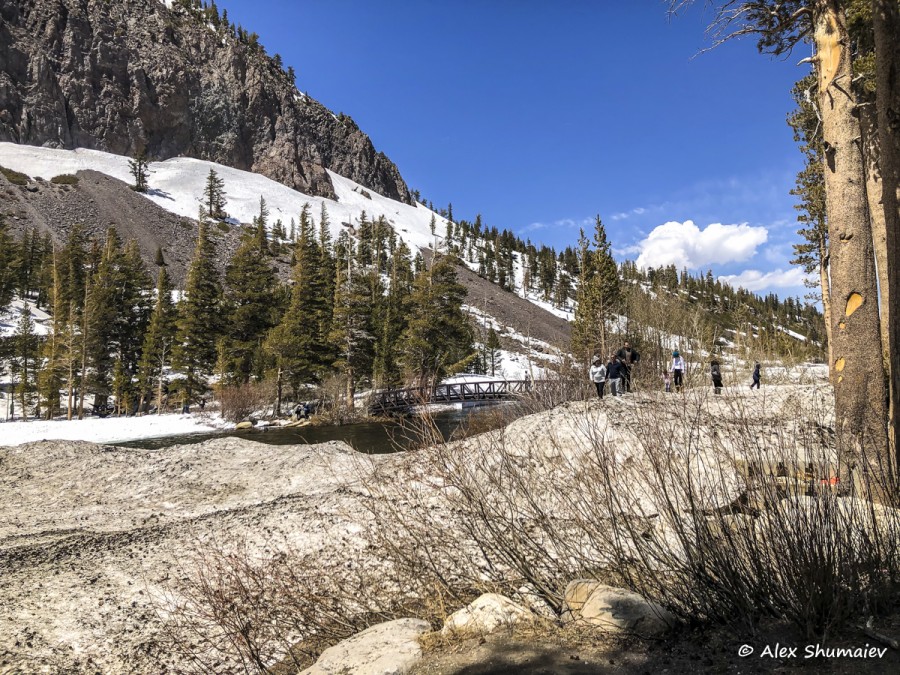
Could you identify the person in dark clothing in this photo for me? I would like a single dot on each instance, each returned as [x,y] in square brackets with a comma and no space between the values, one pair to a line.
[755,376]
[614,375]
[716,372]
[629,357]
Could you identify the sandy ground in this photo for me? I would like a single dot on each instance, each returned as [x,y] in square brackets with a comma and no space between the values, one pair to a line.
[91,535]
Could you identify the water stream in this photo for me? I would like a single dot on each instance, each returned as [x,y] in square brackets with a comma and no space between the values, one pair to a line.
[368,437]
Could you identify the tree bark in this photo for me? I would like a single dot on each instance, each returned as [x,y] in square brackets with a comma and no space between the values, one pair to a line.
[825,284]
[859,383]
[872,163]
[886,22]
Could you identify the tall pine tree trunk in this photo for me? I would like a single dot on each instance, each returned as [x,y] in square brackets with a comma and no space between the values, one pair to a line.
[859,383]
[825,285]
[872,164]
[886,21]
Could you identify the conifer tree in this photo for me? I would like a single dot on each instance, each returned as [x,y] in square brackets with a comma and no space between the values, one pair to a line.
[438,338]
[158,341]
[25,358]
[199,317]
[386,371]
[492,351]
[9,260]
[598,296]
[351,332]
[50,376]
[297,344]
[139,168]
[250,299]
[102,311]
[214,196]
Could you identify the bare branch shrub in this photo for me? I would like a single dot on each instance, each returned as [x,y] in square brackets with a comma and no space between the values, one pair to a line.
[242,609]
[239,402]
[718,508]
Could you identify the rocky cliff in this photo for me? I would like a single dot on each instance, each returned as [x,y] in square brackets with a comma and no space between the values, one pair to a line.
[126,76]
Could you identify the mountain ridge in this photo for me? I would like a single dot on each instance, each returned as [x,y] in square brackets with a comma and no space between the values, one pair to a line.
[146,76]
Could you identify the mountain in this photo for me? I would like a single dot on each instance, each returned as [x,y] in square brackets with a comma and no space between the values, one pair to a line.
[172,80]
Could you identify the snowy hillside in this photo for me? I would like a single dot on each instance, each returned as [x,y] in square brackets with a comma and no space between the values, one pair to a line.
[177,185]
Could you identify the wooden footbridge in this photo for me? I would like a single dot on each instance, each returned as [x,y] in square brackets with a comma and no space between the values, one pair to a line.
[392,400]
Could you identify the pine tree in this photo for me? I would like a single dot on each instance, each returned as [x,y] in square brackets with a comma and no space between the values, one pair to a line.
[199,318]
[50,377]
[158,341]
[351,331]
[386,371]
[250,300]
[25,359]
[598,296]
[298,345]
[139,168]
[214,196]
[9,261]
[438,338]
[492,351]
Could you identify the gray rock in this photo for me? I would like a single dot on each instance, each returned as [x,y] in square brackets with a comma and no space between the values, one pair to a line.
[135,75]
[615,610]
[390,648]
[487,613]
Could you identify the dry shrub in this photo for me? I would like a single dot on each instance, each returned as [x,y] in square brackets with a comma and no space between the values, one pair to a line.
[720,508]
[716,510]
[239,402]
[242,609]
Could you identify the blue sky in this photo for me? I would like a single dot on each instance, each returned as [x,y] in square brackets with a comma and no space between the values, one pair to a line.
[540,114]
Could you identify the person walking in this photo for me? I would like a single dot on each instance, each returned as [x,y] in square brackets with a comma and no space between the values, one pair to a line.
[677,370]
[755,376]
[614,375]
[716,371]
[598,375]
[667,381]
[629,358]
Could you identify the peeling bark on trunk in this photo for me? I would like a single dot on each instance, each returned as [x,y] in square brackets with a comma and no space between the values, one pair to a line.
[872,163]
[886,22]
[859,383]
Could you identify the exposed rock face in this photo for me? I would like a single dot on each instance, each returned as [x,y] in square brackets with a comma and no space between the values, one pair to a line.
[134,75]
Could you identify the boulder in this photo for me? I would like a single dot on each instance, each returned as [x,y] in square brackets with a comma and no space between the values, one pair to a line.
[615,610]
[390,648]
[486,614]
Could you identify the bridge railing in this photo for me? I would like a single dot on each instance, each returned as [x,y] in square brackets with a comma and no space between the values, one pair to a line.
[451,393]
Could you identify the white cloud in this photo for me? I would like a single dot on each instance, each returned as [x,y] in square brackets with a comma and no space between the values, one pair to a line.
[686,245]
[755,280]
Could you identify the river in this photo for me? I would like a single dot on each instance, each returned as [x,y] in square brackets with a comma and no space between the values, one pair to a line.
[368,437]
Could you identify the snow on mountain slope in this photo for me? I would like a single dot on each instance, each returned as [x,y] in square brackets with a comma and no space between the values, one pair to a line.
[177,186]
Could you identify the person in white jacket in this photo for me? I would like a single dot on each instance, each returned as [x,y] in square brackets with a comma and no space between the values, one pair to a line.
[598,375]
[677,370]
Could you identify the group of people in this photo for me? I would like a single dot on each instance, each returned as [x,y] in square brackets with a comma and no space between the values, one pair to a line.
[619,368]
[617,371]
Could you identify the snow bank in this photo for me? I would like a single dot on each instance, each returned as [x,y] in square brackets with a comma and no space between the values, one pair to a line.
[105,430]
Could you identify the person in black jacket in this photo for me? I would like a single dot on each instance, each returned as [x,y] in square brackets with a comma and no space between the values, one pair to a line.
[614,375]
[716,371]
[629,357]
[755,376]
